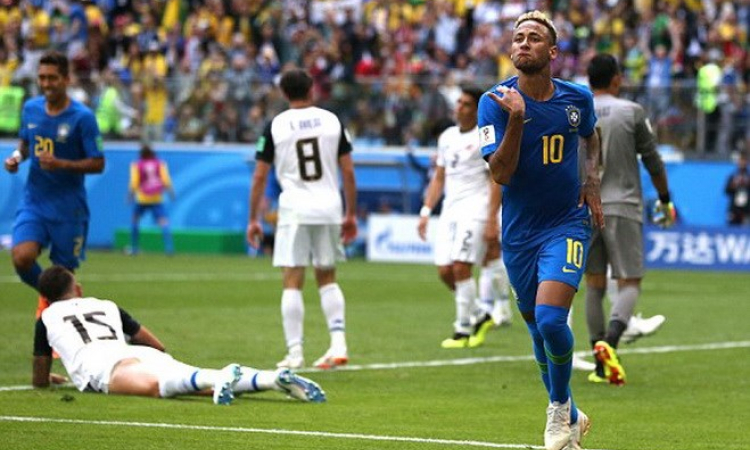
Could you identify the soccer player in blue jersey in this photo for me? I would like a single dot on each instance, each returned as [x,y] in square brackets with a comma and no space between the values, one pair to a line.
[61,139]
[529,129]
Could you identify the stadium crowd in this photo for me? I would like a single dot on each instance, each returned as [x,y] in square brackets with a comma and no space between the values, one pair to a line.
[204,70]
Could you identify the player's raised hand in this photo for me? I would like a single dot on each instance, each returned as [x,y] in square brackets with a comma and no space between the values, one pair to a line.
[510,100]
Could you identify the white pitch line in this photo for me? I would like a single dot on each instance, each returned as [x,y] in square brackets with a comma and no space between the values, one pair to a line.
[321,434]
[493,359]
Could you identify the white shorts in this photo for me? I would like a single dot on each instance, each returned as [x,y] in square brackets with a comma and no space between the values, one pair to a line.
[299,245]
[95,363]
[459,241]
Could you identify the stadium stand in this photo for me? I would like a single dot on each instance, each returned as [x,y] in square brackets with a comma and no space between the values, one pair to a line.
[204,70]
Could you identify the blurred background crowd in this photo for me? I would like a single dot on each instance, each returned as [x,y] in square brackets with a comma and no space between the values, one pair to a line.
[204,70]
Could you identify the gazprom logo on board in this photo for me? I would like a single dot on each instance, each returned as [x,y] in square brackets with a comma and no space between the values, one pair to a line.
[386,242]
[394,238]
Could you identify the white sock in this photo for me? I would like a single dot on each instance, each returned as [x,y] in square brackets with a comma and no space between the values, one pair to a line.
[466,293]
[254,380]
[333,305]
[292,317]
[176,379]
[500,278]
[487,293]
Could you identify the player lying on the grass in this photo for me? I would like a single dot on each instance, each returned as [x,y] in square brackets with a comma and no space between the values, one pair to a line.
[91,336]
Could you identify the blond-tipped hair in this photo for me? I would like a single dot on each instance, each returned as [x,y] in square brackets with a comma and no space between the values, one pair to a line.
[540,17]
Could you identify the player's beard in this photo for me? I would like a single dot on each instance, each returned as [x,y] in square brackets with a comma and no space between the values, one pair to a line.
[530,66]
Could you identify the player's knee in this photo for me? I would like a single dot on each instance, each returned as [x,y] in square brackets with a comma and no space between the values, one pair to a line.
[446,276]
[596,280]
[325,276]
[23,258]
[154,390]
[551,319]
[461,271]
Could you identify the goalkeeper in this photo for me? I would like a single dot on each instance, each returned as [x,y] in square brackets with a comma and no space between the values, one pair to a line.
[625,134]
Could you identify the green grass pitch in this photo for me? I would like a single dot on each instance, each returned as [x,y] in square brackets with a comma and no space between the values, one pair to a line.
[688,385]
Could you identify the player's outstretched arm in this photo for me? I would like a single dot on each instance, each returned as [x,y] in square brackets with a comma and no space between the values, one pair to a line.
[144,336]
[41,371]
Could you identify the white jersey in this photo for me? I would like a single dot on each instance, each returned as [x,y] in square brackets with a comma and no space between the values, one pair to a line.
[304,145]
[467,175]
[83,329]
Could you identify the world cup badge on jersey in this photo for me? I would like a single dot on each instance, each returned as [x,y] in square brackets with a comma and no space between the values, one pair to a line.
[62,132]
[574,115]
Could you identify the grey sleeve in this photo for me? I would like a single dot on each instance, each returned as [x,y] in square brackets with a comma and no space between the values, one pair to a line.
[645,143]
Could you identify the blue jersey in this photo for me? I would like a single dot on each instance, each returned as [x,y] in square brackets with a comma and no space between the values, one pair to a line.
[543,193]
[58,195]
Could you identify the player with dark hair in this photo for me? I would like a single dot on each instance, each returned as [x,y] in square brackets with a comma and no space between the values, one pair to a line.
[105,350]
[468,224]
[307,146]
[61,139]
[626,136]
[529,128]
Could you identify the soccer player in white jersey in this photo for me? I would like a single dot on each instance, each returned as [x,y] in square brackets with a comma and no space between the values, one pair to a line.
[468,221]
[308,147]
[93,338]
[626,137]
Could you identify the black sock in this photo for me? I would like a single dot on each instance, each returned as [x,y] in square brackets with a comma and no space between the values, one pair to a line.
[614,332]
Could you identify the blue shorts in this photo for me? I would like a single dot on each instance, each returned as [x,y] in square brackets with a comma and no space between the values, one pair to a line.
[157,211]
[66,240]
[562,258]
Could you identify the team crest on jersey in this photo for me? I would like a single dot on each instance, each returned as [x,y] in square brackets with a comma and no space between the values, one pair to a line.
[574,115]
[62,132]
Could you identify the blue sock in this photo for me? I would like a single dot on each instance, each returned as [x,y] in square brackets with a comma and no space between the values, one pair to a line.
[134,235]
[552,322]
[31,277]
[541,357]
[573,409]
[166,236]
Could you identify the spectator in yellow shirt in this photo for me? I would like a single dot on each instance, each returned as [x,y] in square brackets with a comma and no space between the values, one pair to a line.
[149,178]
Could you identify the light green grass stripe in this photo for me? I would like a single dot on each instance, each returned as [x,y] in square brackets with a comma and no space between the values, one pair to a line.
[321,434]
